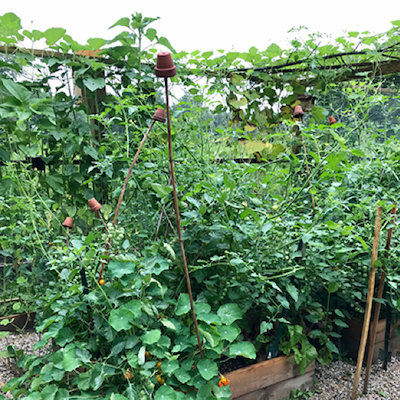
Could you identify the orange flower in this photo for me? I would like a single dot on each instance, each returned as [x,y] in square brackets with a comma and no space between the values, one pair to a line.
[223,381]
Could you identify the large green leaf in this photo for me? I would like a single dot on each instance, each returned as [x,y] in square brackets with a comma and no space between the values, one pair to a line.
[151,337]
[117,269]
[165,393]
[209,318]
[96,43]
[235,103]
[183,305]
[244,349]
[62,394]
[120,319]
[319,113]
[116,396]
[229,313]
[170,366]
[121,22]
[49,392]
[210,333]
[163,190]
[208,368]
[94,83]
[70,361]
[182,375]
[56,182]
[17,90]
[10,26]
[53,35]
[292,290]
[228,332]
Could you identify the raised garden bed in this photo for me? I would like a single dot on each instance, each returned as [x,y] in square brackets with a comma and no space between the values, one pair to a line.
[23,321]
[351,338]
[272,379]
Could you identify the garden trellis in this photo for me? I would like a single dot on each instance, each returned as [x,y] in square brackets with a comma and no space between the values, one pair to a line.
[254,190]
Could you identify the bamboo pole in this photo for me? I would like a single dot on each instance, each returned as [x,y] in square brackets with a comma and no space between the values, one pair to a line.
[178,219]
[308,172]
[122,195]
[367,315]
[372,337]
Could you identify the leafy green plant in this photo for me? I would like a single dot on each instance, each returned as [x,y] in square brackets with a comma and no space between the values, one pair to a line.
[281,243]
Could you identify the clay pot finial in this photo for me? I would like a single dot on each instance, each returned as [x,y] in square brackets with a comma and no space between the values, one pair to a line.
[298,112]
[94,205]
[68,223]
[332,120]
[165,67]
[159,115]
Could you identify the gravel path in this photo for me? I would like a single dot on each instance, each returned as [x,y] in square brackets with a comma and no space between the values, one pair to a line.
[23,341]
[334,381]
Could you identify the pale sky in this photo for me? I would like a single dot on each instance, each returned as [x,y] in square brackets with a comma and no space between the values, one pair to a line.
[208,24]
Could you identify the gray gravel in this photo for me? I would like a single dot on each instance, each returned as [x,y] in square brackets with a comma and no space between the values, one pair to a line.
[334,381]
[24,341]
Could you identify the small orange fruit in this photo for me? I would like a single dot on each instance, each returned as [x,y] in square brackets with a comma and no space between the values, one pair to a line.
[128,375]
[102,282]
[147,354]
[159,364]
[161,381]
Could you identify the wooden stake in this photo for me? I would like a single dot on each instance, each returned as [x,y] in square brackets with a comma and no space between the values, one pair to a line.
[370,295]
[308,172]
[121,197]
[372,336]
[178,219]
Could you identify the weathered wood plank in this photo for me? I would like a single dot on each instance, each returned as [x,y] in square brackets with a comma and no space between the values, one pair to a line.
[352,334]
[264,374]
[20,321]
[283,389]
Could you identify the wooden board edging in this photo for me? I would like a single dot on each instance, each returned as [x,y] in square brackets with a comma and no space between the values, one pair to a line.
[20,321]
[262,375]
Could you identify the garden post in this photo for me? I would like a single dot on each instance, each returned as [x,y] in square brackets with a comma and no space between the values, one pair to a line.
[378,306]
[367,315]
[165,68]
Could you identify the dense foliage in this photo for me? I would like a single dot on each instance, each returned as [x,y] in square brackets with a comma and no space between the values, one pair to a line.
[283,238]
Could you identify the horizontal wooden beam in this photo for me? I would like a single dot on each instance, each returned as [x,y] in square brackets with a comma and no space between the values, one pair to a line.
[50,53]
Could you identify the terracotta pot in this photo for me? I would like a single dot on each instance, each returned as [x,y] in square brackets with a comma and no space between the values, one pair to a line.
[332,120]
[94,205]
[298,112]
[159,115]
[68,223]
[165,67]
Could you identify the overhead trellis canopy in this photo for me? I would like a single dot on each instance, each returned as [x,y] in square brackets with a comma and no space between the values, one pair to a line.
[254,83]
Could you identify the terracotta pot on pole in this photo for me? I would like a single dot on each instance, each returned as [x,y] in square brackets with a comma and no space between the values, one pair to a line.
[298,112]
[165,68]
[95,207]
[331,120]
[68,223]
